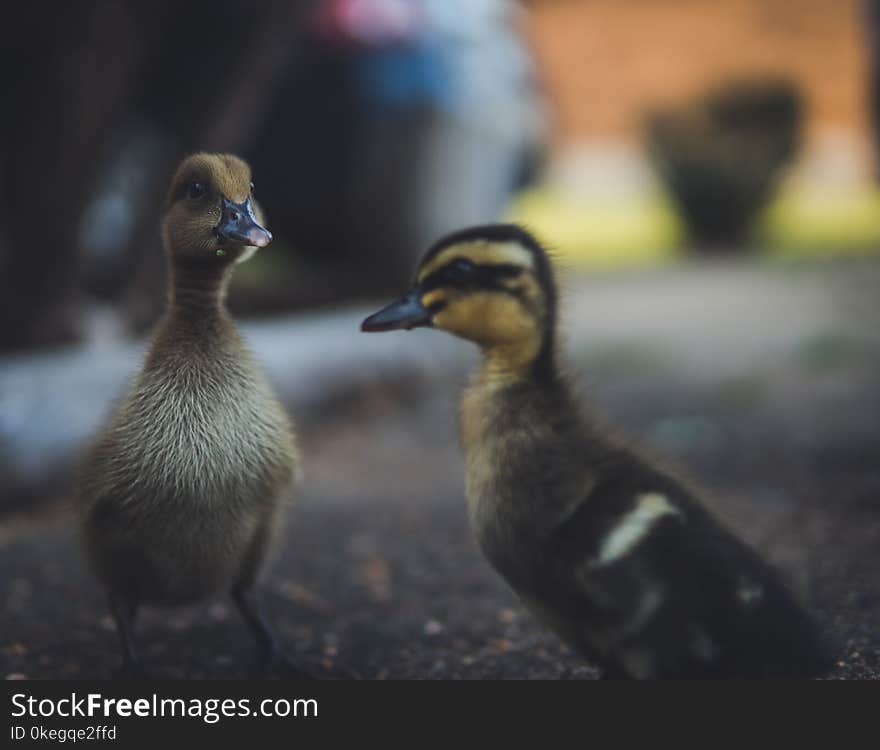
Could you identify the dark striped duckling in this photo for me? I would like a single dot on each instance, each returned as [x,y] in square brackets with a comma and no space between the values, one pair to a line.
[183,490]
[618,557]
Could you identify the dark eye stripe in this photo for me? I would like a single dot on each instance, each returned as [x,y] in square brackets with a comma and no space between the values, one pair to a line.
[486,276]
[504,270]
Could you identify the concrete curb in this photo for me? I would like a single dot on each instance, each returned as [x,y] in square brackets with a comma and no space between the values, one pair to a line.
[51,403]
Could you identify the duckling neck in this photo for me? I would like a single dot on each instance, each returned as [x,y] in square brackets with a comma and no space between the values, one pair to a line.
[530,359]
[521,430]
[198,292]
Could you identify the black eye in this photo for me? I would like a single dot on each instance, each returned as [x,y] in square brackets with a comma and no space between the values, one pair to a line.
[460,270]
[196,190]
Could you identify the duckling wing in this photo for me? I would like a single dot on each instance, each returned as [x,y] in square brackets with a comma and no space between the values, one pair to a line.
[664,590]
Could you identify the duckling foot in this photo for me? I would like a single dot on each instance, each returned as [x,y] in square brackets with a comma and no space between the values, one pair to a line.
[273,665]
[124,611]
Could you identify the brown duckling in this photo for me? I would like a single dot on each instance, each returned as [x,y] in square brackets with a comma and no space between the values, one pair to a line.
[183,491]
[617,556]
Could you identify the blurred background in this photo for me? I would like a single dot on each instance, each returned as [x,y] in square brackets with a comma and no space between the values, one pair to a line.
[706,173]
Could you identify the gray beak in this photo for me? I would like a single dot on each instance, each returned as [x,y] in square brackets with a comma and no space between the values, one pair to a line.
[239,225]
[406,312]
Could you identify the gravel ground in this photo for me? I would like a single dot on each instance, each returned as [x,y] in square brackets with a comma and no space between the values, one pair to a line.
[378,576]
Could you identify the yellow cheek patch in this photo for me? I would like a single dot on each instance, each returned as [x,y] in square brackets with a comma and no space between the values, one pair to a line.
[509,335]
[486,318]
[432,297]
[481,253]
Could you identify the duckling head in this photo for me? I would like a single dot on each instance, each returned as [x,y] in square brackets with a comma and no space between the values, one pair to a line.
[492,285]
[211,216]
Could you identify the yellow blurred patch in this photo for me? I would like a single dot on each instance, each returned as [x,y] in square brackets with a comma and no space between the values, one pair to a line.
[600,233]
[814,221]
[803,221]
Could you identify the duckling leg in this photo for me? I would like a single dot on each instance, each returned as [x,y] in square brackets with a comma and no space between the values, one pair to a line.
[124,611]
[273,661]
[249,607]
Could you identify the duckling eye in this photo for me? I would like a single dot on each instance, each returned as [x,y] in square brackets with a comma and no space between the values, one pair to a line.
[460,270]
[196,190]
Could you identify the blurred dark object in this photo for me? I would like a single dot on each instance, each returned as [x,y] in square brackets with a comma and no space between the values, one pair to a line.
[407,118]
[722,156]
[372,126]
[91,79]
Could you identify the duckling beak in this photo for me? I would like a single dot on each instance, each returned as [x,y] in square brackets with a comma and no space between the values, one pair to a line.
[239,224]
[406,312]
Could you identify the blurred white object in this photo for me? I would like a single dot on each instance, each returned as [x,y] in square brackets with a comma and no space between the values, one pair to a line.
[495,119]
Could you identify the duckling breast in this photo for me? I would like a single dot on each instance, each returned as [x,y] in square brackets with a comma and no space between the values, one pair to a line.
[206,437]
[194,465]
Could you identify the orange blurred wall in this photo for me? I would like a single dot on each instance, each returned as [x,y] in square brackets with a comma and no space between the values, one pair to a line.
[605,61]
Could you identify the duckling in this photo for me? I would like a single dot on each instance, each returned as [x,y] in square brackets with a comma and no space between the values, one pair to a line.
[613,553]
[183,491]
